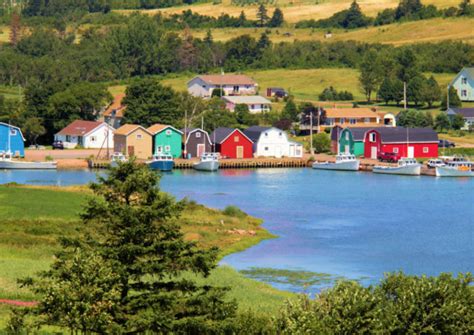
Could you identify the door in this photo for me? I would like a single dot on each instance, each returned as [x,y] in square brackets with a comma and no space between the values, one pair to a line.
[292,150]
[240,152]
[201,148]
[411,152]
[131,151]
[278,151]
[347,149]
[373,152]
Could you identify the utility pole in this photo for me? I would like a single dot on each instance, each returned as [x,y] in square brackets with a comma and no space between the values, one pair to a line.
[447,99]
[405,95]
[311,131]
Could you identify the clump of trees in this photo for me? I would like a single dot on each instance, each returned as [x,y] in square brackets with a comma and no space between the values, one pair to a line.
[331,94]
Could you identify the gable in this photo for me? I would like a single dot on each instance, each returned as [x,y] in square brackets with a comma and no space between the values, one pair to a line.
[236,132]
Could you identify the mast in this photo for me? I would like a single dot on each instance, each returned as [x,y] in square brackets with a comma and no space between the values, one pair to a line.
[185,132]
[407,145]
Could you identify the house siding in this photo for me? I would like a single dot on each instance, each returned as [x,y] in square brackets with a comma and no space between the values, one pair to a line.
[193,142]
[94,140]
[468,87]
[228,148]
[274,143]
[131,145]
[17,145]
[172,140]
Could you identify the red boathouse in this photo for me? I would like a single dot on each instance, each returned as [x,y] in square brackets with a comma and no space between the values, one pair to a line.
[232,143]
[407,142]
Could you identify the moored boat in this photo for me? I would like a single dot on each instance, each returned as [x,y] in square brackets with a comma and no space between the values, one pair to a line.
[161,162]
[117,157]
[344,162]
[458,167]
[405,166]
[208,162]
[7,162]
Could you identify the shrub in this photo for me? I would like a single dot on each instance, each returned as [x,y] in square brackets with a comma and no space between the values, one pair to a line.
[321,143]
[234,211]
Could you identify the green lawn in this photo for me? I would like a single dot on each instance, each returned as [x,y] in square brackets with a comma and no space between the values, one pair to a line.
[33,218]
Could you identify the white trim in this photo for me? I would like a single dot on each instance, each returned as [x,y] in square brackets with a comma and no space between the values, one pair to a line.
[197,129]
[240,131]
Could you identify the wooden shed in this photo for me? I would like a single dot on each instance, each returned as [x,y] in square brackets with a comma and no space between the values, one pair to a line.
[196,142]
[133,140]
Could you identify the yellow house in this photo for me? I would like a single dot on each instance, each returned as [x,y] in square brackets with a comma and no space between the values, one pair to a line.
[133,140]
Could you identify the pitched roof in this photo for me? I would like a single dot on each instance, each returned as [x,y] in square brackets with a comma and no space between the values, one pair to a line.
[468,70]
[247,99]
[116,108]
[401,134]
[220,134]
[156,128]
[128,128]
[11,126]
[227,79]
[254,132]
[350,113]
[465,112]
[79,128]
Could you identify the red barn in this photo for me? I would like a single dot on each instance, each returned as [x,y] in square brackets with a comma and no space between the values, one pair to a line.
[232,143]
[407,142]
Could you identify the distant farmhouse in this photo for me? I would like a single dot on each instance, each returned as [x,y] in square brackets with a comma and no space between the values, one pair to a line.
[464,84]
[467,114]
[231,84]
[255,103]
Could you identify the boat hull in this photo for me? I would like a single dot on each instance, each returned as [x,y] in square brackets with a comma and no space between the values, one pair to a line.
[342,166]
[206,166]
[443,171]
[410,170]
[16,165]
[161,165]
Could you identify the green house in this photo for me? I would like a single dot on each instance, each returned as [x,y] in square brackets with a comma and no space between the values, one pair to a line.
[349,140]
[166,139]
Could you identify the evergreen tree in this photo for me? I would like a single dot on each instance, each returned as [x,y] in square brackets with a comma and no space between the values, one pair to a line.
[385,91]
[466,8]
[415,89]
[408,67]
[430,91]
[408,8]
[354,17]
[290,111]
[457,121]
[244,117]
[277,18]
[454,100]
[242,21]
[208,39]
[263,42]
[262,16]
[126,274]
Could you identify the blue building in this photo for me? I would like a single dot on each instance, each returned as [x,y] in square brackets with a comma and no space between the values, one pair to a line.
[15,143]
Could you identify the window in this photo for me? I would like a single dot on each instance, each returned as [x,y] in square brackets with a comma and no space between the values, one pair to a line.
[280,134]
[464,80]
[342,120]
[139,136]
[464,93]
[236,88]
[13,132]
[198,135]
[347,136]
[372,137]
[426,150]
[266,134]
[395,150]
[167,148]
[330,121]
[168,132]
[236,138]
[159,148]
[266,148]
[68,138]
[352,121]
[367,120]
[93,138]
[252,106]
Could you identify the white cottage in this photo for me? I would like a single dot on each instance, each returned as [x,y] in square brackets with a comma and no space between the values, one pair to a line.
[87,134]
[231,84]
[272,142]
[464,84]
[255,103]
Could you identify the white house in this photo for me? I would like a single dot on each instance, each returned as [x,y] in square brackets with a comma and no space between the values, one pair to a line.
[272,142]
[467,114]
[231,84]
[464,84]
[255,103]
[87,134]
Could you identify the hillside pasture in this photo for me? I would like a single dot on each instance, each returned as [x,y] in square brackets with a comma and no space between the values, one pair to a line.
[293,11]
[434,30]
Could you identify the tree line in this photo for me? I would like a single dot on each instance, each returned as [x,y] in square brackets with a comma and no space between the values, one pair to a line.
[407,10]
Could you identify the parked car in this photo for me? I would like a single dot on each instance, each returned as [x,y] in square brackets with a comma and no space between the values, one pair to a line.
[388,157]
[58,145]
[445,144]
[435,162]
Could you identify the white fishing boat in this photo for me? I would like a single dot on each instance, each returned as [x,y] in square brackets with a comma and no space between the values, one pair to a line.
[344,162]
[7,162]
[458,167]
[116,158]
[208,162]
[405,166]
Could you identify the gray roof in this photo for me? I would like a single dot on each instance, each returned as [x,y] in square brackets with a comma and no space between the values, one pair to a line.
[401,134]
[358,133]
[465,112]
[470,71]
[247,99]
[220,134]
[254,132]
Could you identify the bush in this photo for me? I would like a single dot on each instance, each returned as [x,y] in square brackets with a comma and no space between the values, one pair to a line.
[331,94]
[321,143]
[234,211]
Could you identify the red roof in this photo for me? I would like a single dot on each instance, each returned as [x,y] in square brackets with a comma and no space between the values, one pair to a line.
[79,128]
[116,107]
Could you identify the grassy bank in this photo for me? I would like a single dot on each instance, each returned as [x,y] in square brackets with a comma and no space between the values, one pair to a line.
[34,217]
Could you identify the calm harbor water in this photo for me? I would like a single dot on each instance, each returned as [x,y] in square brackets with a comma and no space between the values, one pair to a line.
[352,225]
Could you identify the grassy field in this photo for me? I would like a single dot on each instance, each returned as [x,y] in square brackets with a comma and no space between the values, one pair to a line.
[434,30]
[294,10]
[33,218]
